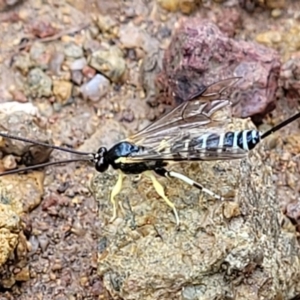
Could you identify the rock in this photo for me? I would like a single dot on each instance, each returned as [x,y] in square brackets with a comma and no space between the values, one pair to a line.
[9,162]
[269,38]
[132,37]
[72,50]
[199,55]
[107,25]
[42,29]
[40,55]
[77,77]
[249,5]
[88,72]
[23,275]
[218,245]
[62,90]
[10,226]
[78,64]
[56,62]
[21,124]
[14,106]
[169,5]
[38,83]
[95,89]
[109,62]
[185,6]
[22,62]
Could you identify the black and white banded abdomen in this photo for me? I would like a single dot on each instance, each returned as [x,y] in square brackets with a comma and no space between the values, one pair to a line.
[244,139]
[209,146]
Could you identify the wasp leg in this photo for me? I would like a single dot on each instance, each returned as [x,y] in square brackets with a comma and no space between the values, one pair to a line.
[171,174]
[160,191]
[115,191]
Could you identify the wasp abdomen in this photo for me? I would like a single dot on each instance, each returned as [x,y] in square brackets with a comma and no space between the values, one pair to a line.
[245,139]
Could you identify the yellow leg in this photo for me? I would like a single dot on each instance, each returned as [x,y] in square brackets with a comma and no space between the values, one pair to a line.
[160,191]
[115,191]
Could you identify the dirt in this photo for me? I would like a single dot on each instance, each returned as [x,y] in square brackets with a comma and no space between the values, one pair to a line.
[40,43]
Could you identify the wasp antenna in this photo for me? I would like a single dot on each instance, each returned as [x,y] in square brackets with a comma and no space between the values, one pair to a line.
[43,165]
[280,125]
[14,137]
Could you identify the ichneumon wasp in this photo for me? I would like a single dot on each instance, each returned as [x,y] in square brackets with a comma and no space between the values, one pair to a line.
[190,132]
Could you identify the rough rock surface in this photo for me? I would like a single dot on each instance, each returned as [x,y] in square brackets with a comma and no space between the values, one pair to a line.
[200,54]
[234,249]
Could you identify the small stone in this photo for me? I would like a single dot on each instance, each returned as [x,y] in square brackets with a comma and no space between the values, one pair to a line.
[269,38]
[43,29]
[40,55]
[275,3]
[56,62]
[276,13]
[188,6]
[78,64]
[88,72]
[77,77]
[73,50]
[169,5]
[56,266]
[9,162]
[94,31]
[109,62]
[96,88]
[62,90]
[38,83]
[19,96]
[23,275]
[106,24]
[22,62]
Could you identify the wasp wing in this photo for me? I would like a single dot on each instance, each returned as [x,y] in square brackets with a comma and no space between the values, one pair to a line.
[201,110]
[190,148]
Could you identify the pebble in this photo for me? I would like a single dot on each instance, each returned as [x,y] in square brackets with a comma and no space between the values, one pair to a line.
[169,5]
[269,38]
[23,63]
[40,55]
[273,4]
[56,62]
[77,77]
[72,50]
[38,83]
[23,275]
[14,106]
[109,62]
[78,64]
[96,88]
[88,72]
[62,90]
[9,162]
[276,13]
[107,24]
[131,36]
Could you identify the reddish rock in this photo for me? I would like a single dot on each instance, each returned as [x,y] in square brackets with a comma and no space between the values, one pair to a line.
[42,29]
[200,54]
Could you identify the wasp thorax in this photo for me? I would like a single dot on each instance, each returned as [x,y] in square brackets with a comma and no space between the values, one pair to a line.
[101,162]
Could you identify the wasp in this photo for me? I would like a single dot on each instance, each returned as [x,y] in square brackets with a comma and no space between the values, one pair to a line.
[191,131]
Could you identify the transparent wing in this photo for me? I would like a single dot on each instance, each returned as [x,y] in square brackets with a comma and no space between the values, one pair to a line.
[190,148]
[207,109]
[191,155]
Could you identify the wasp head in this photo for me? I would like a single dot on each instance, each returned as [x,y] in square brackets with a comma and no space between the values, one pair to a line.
[100,160]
